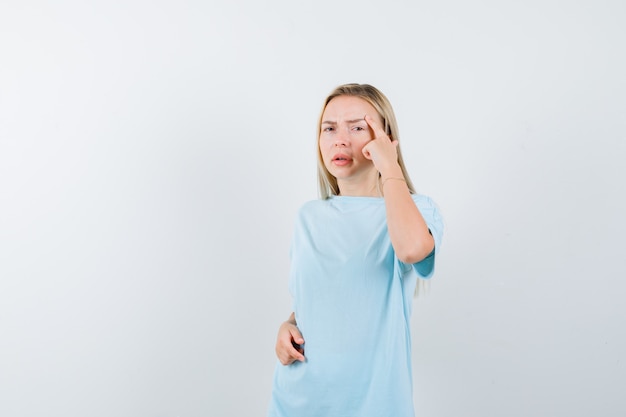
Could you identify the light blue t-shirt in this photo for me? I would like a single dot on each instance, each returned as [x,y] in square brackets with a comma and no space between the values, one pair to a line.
[352,299]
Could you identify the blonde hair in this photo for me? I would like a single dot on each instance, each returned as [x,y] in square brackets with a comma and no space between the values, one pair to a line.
[327,182]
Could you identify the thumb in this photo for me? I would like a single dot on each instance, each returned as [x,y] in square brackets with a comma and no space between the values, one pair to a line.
[366,152]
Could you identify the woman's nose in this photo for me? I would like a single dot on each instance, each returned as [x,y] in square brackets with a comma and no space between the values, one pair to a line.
[341,138]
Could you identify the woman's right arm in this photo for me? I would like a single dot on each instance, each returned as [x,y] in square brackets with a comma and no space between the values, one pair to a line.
[289,342]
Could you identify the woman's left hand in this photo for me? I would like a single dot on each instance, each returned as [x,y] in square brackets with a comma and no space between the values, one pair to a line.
[381,150]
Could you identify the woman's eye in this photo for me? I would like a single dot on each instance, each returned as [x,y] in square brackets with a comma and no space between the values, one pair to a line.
[358,128]
[327,129]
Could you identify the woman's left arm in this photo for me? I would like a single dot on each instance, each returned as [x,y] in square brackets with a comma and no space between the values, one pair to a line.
[408,231]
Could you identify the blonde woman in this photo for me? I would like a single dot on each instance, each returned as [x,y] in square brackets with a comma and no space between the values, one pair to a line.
[357,254]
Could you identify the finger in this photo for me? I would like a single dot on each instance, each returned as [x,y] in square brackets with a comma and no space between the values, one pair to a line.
[287,353]
[299,356]
[376,128]
[297,351]
[297,336]
[291,346]
[295,354]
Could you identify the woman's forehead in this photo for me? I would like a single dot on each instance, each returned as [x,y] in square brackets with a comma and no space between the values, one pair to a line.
[348,108]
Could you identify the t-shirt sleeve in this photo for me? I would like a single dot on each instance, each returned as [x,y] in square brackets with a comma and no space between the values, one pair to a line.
[430,212]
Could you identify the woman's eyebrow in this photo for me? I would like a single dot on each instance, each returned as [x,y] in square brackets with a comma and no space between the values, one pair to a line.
[332,122]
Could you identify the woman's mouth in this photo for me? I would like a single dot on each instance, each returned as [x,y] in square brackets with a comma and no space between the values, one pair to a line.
[341,159]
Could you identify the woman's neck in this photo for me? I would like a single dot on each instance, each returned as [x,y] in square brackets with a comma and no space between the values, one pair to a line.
[362,187]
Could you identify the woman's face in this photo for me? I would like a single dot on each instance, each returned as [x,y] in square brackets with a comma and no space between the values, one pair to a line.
[343,135]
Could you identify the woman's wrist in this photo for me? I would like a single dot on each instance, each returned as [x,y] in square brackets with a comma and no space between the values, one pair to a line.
[384,181]
[391,172]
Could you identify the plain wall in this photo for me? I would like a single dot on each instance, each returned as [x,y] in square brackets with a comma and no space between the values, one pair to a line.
[153,156]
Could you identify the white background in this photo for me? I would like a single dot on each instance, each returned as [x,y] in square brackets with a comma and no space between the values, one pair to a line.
[153,155]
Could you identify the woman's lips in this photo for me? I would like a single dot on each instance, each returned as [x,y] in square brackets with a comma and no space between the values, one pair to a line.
[341,159]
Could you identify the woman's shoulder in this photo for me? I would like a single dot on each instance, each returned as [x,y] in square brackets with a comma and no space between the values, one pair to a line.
[310,211]
[312,206]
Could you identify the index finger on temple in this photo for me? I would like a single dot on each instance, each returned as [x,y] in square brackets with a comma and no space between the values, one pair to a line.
[378,130]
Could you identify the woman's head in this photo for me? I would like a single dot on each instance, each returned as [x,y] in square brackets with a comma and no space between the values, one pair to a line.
[327,182]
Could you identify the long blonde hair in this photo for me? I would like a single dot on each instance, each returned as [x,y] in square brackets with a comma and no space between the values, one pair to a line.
[327,182]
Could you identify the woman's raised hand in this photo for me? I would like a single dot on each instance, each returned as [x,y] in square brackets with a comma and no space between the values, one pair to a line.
[381,150]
